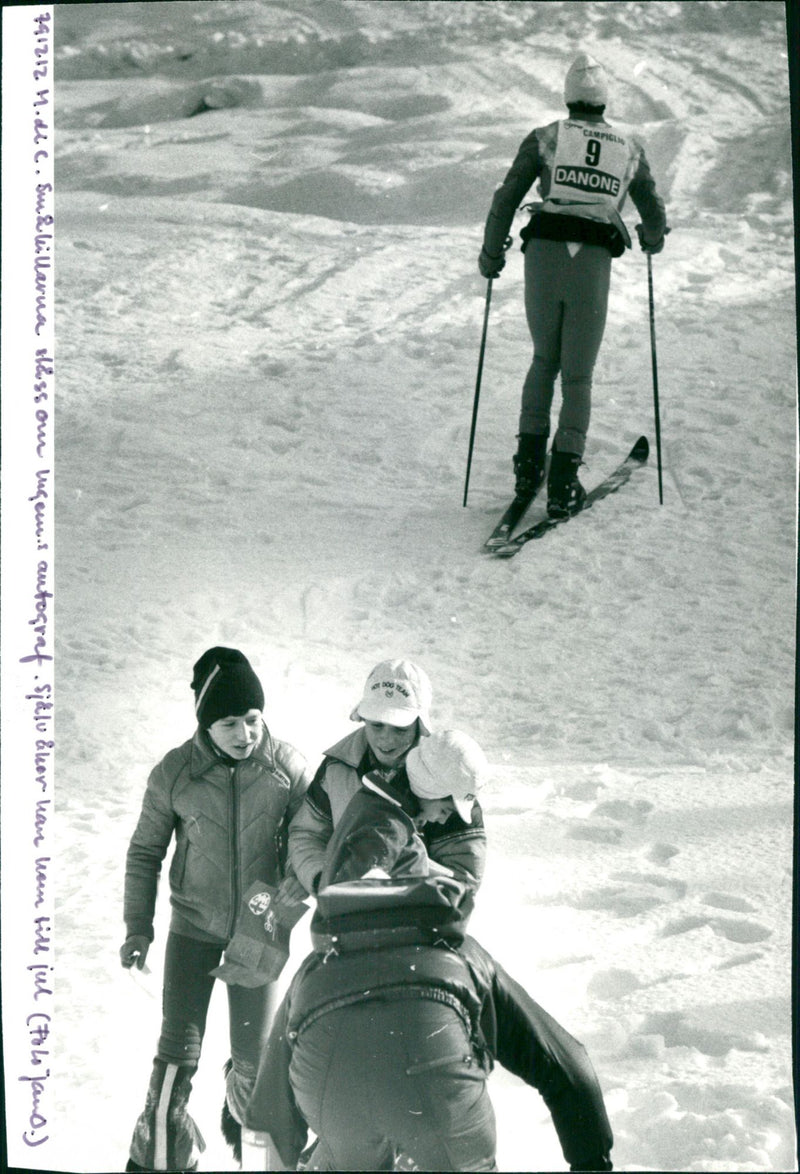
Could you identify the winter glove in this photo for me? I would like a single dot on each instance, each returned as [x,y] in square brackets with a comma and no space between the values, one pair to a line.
[648,248]
[291,893]
[490,266]
[134,951]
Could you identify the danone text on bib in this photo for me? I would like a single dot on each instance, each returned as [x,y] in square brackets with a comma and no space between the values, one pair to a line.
[590,164]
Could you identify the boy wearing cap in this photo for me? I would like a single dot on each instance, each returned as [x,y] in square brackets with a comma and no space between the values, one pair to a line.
[585,171]
[227,796]
[395,712]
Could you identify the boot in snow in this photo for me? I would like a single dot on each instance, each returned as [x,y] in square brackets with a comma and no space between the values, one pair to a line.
[529,463]
[565,494]
[165,1136]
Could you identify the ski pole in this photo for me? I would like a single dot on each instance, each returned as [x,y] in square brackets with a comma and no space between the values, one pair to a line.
[478,386]
[655,373]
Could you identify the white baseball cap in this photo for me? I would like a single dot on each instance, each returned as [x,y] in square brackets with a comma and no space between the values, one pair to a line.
[451,764]
[397,692]
[586,81]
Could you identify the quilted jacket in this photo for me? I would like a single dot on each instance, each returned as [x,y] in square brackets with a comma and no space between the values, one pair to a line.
[229,822]
[338,779]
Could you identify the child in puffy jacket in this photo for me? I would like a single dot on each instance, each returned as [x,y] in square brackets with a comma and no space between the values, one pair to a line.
[379,884]
[394,717]
[226,796]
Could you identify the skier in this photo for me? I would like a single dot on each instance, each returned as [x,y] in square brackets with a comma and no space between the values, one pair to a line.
[585,171]
[227,795]
[395,712]
[386,1037]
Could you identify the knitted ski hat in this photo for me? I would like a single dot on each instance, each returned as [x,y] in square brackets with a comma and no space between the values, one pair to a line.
[586,81]
[448,764]
[224,685]
[397,692]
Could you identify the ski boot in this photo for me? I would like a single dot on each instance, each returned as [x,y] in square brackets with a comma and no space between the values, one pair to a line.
[165,1136]
[565,494]
[529,464]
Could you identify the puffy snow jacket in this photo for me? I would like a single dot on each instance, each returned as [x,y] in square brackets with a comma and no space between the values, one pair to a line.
[507,1026]
[582,194]
[459,847]
[229,823]
[413,903]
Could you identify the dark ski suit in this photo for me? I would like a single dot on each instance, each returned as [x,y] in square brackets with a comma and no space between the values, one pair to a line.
[585,169]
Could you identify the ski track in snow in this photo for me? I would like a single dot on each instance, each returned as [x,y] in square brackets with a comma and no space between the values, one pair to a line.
[268,325]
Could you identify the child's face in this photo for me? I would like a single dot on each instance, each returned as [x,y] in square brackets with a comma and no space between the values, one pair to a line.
[390,744]
[236,736]
[434,810]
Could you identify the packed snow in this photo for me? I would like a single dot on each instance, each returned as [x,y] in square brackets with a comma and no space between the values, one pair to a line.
[268,323]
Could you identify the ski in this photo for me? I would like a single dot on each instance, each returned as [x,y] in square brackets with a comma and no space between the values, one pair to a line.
[634,460]
[505,527]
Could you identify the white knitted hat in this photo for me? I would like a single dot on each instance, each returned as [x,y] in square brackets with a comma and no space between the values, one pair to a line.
[448,764]
[586,81]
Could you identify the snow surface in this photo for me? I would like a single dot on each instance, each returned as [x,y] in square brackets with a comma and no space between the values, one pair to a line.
[268,321]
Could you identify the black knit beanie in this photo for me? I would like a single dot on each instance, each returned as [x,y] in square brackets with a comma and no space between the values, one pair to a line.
[224,685]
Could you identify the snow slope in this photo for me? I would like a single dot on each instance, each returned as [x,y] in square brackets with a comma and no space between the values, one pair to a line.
[268,324]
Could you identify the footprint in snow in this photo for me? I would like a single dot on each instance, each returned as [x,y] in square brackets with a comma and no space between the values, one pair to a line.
[739,960]
[735,930]
[678,1031]
[583,789]
[624,810]
[603,825]
[633,893]
[729,901]
[598,833]
[613,983]
[662,853]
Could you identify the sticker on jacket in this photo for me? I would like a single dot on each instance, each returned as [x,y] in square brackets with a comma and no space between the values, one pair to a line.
[259,948]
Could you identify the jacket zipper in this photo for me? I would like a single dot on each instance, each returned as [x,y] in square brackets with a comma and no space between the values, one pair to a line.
[234,850]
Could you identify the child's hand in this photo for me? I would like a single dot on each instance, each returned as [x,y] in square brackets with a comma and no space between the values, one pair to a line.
[134,952]
[290,893]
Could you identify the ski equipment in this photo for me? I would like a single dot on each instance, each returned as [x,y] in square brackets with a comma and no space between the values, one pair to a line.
[502,532]
[478,386]
[565,494]
[655,373]
[634,460]
[530,464]
[506,247]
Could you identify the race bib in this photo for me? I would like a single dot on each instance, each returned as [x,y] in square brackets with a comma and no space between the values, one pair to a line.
[590,164]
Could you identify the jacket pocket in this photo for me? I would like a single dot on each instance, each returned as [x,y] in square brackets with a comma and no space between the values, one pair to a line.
[442,1062]
[178,867]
